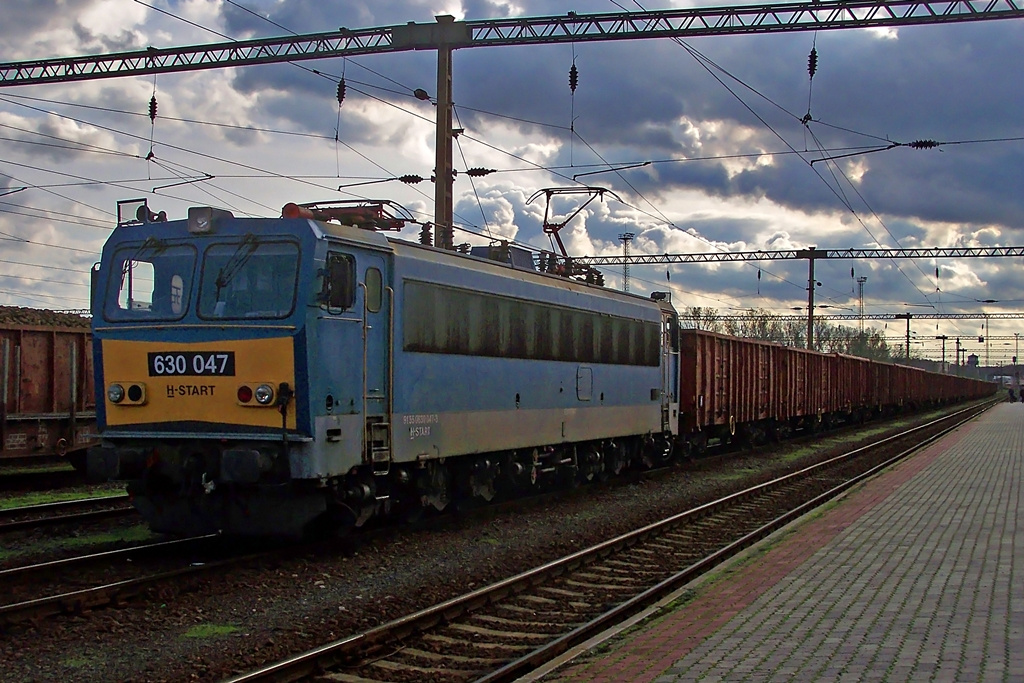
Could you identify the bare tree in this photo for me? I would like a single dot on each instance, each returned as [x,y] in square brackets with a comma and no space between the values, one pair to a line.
[765,325]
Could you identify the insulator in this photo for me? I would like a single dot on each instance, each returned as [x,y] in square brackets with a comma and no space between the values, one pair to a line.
[574,77]
[479,172]
[341,91]
[812,62]
[923,144]
[425,235]
[410,179]
[152,108]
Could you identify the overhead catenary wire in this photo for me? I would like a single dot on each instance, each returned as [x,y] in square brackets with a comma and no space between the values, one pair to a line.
[247,10]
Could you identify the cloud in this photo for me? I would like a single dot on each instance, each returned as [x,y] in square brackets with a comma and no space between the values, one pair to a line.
[721,125]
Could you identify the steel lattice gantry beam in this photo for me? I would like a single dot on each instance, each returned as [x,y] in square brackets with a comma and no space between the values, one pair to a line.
[791,254]
[448,34]
[811,254]
[887,316]
[572,27]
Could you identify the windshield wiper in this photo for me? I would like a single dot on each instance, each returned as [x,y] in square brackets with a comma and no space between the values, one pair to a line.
[234,264]
[154,244]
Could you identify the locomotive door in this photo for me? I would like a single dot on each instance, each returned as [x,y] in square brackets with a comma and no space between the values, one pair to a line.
[670,371]
[377,303]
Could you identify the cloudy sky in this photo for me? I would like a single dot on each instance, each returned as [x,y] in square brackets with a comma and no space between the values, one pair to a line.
[719,118]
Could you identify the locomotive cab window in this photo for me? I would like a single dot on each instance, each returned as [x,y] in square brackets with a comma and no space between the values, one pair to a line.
[155,282]
[339,285]
[249,279]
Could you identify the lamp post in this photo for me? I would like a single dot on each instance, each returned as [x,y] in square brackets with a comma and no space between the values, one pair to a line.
[1016,354]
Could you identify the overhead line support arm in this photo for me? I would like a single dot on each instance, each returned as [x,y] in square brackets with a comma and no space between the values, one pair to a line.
[572,27]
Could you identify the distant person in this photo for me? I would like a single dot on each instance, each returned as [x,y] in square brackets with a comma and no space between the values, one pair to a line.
[1013,396]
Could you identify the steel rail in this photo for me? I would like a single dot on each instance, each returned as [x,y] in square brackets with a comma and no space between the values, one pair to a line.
[87,598]
[61,505]
[69,562]
[65,506]
[75,518]
[316,660]
[546,653]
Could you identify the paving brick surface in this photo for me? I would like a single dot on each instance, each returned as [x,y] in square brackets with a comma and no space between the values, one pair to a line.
[916,576]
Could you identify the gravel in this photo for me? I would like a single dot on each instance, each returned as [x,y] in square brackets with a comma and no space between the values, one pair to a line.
[208,628]
[19,315]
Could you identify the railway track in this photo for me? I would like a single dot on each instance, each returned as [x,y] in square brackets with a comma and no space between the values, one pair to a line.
[40,590]
[64,512]
[505,630]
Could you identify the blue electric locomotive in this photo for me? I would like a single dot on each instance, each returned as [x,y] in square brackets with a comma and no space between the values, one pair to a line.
[268,376]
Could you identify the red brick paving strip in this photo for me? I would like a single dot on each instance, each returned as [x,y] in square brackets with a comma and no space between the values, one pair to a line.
[643,656]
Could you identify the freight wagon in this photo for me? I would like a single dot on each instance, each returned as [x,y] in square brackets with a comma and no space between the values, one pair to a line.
[756,390]
[47,395]
[273,376]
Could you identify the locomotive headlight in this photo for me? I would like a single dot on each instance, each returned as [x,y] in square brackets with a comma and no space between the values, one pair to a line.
[115,393]
[264,394]
[136,393]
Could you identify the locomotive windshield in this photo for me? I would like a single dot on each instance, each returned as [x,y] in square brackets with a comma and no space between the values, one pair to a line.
[249,279]
[155,281]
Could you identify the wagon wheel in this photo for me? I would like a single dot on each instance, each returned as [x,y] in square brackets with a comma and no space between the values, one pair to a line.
[658,451]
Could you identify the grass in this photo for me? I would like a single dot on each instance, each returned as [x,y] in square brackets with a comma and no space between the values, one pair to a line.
[7,470]
[733,475]
[23,498]
[133,534]
[209,631]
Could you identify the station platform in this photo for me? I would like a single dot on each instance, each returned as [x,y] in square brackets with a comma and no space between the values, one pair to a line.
[916,575]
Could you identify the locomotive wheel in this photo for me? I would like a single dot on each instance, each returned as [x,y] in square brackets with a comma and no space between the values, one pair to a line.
[616,458]
[433,484]
[519,471]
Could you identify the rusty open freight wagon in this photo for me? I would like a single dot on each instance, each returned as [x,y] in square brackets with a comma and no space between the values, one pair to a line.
[47,399]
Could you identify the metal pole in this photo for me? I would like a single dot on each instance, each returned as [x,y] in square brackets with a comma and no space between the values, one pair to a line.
[860,300]
[908,338]
[988,343]
[444,237]
[625,238]
[810,299]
